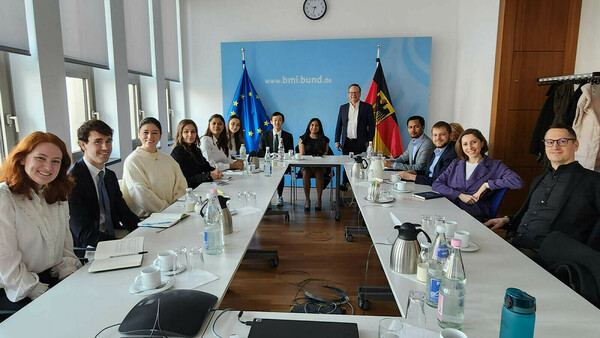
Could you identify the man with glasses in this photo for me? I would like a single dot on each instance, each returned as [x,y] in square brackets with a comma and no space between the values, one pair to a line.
[566,198]
[355,125]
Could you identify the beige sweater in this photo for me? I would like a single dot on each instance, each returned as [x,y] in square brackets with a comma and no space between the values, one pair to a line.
[151,181]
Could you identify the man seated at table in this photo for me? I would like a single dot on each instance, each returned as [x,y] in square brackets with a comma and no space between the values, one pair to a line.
[420,148]
[566,197]
[440,158]
[271,140]
[96,204]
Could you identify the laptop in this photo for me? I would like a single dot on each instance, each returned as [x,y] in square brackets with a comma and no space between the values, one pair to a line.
[277,328]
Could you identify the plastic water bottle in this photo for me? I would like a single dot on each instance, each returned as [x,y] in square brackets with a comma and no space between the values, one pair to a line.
[268,164]
[370,150]
[190,200]
[451,301]
[280,150]
[243,152]
[213,233]
[436,266]
[518,314]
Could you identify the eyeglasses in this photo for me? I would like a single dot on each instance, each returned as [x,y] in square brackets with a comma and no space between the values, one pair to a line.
[561,141]
[354,93]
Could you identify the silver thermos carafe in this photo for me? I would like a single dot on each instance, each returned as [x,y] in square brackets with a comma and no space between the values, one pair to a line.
[225,214]
[406,249]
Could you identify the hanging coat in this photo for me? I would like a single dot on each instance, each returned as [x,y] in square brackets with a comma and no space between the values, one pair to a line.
[587,127]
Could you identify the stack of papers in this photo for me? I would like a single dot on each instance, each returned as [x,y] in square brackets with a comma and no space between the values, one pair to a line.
[162,220]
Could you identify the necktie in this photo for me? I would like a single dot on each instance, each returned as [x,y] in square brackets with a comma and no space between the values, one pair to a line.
[276,143]
[105,203]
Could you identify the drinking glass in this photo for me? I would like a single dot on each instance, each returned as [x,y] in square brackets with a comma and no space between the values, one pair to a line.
[181,260]
[243,197]
[195,259]
[251,198]
[390,328]
[426,223]
[415,309]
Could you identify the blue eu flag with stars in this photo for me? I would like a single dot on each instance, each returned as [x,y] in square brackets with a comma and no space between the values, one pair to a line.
[247,106]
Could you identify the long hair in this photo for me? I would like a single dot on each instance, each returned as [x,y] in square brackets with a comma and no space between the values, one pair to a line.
[320,134]
[238,137]
[471,131]
[223,138]
[179,135]
[13,172]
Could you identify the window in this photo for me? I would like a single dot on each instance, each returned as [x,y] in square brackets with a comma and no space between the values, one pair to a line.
[80,100]
[9,124]
[169,114]
[136,114]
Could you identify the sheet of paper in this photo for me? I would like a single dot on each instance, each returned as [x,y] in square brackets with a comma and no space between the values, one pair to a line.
[116,247]
[193,279]
[162,219]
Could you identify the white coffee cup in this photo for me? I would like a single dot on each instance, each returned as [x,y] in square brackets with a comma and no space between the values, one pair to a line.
[450,228]
[422,272]
[150,277]
[166,260]
[452,333]
[298,156]
[400,185]
[464,238]
[394,178]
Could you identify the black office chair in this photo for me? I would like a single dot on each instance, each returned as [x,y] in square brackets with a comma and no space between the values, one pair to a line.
[327,177]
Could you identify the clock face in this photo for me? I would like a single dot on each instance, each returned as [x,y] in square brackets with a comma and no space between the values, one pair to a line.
[314,9]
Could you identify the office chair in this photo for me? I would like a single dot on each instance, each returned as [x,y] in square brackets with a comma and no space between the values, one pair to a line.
[495,201]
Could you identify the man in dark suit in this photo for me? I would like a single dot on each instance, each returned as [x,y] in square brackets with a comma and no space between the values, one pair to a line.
[271,139]
[96,204]
[440,158]
[355,126]
[566,198]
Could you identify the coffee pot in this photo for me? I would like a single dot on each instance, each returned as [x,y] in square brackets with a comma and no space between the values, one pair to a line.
[376,167]
[225,214]
[359,163]
[406,249]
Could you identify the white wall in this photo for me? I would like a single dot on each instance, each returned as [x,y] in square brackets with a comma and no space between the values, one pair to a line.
[588,46]
[463,32]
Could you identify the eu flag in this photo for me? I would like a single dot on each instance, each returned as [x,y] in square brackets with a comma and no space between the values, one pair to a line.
[246,104]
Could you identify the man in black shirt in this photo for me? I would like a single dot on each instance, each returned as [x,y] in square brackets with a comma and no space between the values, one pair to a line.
[566,197]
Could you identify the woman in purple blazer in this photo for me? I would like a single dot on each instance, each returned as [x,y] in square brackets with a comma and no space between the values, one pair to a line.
[468,178]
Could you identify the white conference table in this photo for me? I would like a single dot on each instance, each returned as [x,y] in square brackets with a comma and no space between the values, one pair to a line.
[84,303]
[490,271]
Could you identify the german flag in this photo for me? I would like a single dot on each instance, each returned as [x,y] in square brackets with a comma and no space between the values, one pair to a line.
[387,134]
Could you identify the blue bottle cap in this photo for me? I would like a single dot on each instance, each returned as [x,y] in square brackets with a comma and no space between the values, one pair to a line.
[519,301]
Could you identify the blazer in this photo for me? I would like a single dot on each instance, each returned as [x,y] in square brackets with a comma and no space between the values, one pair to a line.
[85,208]
[579,215]
[194,166]
[405,161]
[451,183]
[365,129]
[266,140]
[446,158]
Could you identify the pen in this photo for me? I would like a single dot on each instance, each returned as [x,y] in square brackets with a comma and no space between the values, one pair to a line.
[129,254]
[156,223]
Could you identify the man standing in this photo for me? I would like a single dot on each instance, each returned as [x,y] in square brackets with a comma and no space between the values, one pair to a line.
[96,203]
[415,157]
[440,158]
[566,198]
[271,140]
[355,126]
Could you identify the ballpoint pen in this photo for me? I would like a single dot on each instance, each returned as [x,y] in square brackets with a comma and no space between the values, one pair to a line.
[129,254]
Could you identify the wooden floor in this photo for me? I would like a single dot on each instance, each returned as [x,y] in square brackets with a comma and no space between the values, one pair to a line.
[312,252]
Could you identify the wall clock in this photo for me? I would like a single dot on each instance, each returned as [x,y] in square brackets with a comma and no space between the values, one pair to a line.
[314,9]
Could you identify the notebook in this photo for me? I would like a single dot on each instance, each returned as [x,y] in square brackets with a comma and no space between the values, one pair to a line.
[427,195]
[162,220]
[118,254]
[276,328]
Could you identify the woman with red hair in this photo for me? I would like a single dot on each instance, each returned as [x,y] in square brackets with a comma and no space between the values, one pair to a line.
[36,247]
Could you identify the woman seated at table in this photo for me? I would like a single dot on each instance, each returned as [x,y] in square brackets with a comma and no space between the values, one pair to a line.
[214,145]
[313,142]
[468,178]
[36,246]
[152,180]
[194,166]
[235,135]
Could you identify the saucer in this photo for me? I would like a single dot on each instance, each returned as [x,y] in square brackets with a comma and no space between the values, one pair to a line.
[232,211]
[138,289]
[400,191]
[180,269]
[382,200]
[472,247]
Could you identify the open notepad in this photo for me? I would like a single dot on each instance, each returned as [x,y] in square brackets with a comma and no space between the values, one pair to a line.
[162,220]
[118,254]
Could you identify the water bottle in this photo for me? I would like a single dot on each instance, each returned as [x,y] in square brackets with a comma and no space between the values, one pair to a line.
[243,152]
[436,266]
[268,164]
[370,150]
[280,150]
[213,233]
[451,301]
[518,314]
[190,200]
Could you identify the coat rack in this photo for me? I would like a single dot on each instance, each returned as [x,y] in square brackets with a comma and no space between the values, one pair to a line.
[578,78]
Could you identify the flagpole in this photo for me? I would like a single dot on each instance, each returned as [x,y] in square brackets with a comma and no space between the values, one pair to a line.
[377,60]
[243,58]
